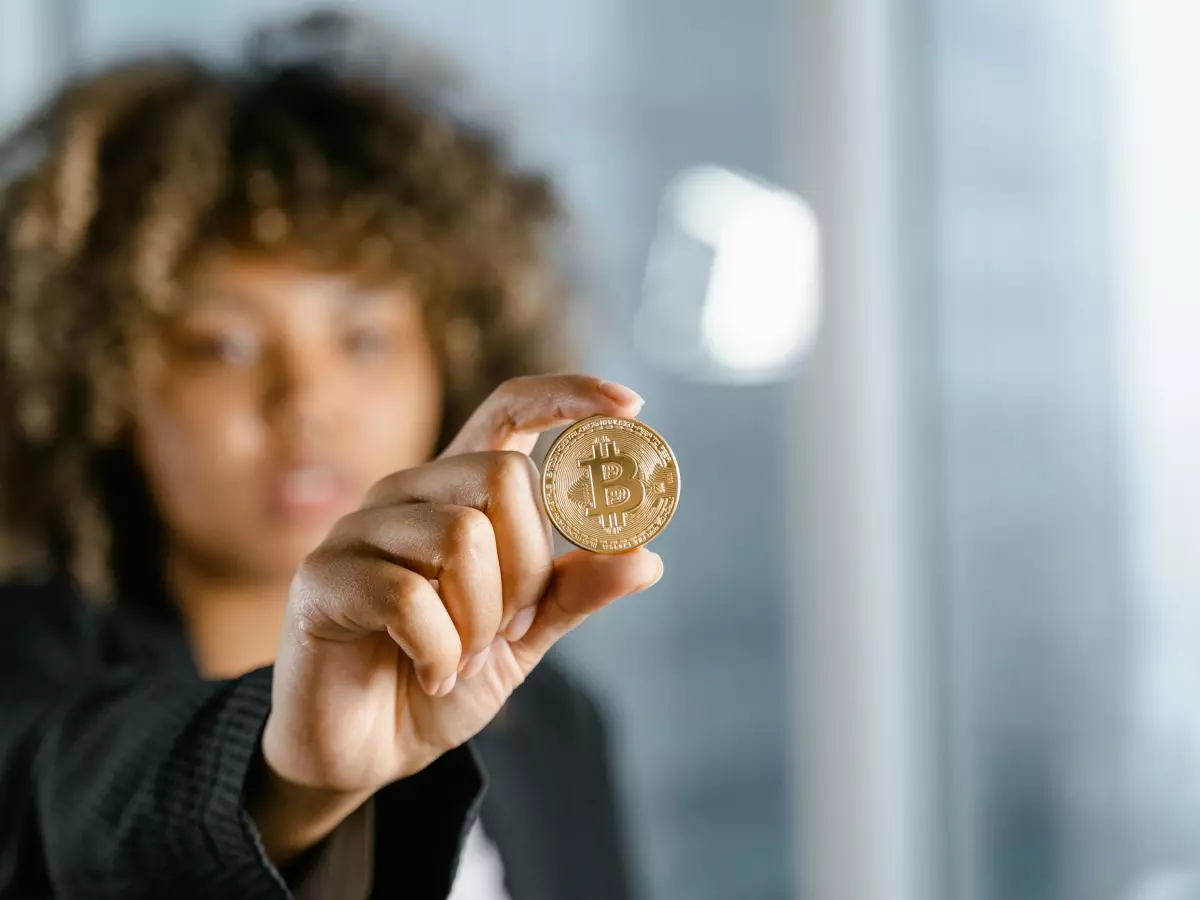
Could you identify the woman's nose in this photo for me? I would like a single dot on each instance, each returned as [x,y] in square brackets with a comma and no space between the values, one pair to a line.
[303,399]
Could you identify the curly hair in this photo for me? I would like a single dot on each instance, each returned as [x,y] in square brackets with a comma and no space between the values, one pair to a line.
[115,189]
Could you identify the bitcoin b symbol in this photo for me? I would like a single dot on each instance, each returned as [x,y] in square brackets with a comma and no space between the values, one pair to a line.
[615,487]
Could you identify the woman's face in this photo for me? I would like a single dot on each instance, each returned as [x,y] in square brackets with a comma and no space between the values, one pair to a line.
[272,402]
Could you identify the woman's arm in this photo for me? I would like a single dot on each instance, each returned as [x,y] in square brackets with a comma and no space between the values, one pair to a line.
[134,786]
[130,784]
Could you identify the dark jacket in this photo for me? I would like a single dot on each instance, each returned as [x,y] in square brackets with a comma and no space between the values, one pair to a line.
[123,771]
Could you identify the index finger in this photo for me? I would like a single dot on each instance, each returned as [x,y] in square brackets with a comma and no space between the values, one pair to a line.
[514,414]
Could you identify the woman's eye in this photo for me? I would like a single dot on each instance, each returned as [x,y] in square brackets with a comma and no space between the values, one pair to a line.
[367,341]
[232,348]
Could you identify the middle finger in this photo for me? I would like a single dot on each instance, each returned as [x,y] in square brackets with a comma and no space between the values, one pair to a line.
[504,486]
[452,545]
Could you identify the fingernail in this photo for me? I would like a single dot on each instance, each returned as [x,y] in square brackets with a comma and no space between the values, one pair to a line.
[475,663]
[446,686]
[520,624]
[620,393]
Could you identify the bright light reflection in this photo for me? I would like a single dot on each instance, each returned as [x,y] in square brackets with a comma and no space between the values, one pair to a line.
[760,303]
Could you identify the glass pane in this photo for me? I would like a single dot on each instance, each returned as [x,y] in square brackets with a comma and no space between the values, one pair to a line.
[1066,218]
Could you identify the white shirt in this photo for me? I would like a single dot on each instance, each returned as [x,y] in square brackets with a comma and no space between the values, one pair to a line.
[480,871]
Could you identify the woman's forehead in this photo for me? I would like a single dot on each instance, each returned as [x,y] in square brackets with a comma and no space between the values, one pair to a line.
[233,278]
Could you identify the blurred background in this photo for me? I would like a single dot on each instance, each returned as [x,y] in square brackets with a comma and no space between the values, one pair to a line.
[913,289]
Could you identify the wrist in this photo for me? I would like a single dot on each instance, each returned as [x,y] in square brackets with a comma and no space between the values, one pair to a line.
[292,818]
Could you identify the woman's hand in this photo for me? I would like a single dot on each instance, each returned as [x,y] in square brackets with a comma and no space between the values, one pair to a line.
[412,624]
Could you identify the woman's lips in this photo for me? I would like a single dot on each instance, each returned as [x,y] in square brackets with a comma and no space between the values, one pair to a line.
[310,491]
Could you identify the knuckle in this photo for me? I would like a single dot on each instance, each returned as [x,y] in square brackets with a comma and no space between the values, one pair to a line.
[387,486]
[342,532]
[509,394]
[366,527]
[400,605]
[406,590]
[509,472]
[309,595]
[468,532]
[311,575]
[511,387]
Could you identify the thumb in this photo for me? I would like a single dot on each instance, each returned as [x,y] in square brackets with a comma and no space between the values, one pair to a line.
[582,583]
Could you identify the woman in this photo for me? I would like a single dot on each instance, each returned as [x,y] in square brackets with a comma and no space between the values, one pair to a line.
[248,626]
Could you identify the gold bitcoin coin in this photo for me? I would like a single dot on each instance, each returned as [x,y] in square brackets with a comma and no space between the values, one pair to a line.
[610,484]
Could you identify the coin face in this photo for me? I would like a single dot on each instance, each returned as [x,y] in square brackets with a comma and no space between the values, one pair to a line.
[610,484]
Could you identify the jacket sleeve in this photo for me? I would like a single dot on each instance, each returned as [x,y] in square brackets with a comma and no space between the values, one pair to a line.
[131,784]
